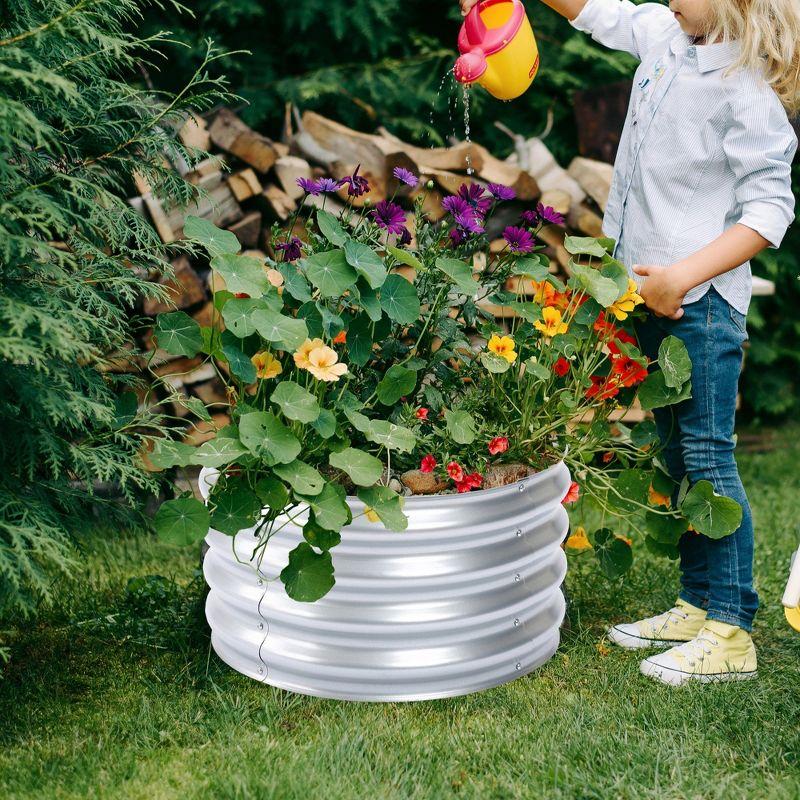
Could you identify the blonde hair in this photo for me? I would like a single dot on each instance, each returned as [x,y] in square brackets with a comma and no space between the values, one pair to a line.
[768,32]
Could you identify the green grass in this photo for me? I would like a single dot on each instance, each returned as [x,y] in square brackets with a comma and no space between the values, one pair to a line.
[116,695]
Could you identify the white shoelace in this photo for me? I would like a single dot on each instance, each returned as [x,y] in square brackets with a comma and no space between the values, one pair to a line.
[659,623]
[696,649]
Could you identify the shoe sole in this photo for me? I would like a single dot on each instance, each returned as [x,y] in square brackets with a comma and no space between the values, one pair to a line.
[630,642]
[677,677]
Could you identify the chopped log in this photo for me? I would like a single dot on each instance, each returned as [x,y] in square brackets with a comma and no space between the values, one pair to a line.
[330,202]
[281,148]
[494,170]
[557,199]
[432,200]
[185,289]
[208,166]
[553,235]
[194,133]
[500,312]
[585,220]
[202,431]
[248,229]
[211,392]
[216,204]
[205,315]
[350,146]
[449,181]
[376,181]
[594,178]
[447,158]
[159,218]
[277,203]
[536,158]
[229,133]
[287,170]
[244,184]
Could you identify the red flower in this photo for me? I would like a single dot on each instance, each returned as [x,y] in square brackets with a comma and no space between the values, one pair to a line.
[241,295]
[498,445]
[573,493]
[621,336]
[471,481]
[455,471]
[422,413]
[607,456]
[602,388]
[427,464]
[627,371]
[561,367]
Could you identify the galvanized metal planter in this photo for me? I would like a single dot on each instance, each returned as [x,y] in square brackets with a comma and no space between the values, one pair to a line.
[467,598]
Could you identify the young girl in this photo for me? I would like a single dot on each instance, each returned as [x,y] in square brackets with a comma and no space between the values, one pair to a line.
[701,184]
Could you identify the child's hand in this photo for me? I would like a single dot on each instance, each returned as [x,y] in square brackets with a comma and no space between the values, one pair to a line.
[466,6]
[660,292]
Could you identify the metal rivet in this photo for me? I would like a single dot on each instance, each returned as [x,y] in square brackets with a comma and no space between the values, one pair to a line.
[260,582]
[519,531]
[518,666]
[517,577]
[522,487]
[261,670]
[516,623]
[261,626]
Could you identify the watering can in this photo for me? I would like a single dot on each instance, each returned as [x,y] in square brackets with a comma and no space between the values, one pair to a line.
[498,49]
[791,597]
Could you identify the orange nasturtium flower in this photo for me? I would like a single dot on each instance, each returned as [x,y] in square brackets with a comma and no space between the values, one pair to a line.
[324,364]
[503,346]
[301,356]
[656,498]
[622,307]
[579,541]
[340,337]
[267,366]
[551,323]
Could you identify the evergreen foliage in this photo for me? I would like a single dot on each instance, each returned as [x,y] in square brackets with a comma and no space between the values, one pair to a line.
[74,259]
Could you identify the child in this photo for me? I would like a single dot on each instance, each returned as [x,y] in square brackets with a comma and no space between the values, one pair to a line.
[701,184]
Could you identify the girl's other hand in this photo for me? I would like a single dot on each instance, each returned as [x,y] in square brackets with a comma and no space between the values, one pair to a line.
[466,6]
[661,291]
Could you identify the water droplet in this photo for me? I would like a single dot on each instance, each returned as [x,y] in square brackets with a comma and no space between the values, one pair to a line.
[465,95]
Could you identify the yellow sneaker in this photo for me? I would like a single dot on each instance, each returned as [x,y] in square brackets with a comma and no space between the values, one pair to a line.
[680,624]
[720,652]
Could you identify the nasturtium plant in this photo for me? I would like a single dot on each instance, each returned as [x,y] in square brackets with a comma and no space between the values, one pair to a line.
[352,357]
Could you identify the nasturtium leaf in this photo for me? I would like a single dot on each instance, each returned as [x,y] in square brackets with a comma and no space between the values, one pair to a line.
[215,241]
[644,434]
[272,493]
[329,507]
[396,383]
[221,296]
[663,483]
[673,358]
[294,282]
[366,262]
[332,324]
[632,487]
[654,392]
[359,421]
[330,273]
[613,553]
[615,270]
[530,312]
[325,423]
[660,548]
[303,478]
[364,469]
[607,242]
[295,402]
[388,505]
[126,407]
[709,513]
[460,273]
[169,453]
[238,315]
[280,329]
[584,246]
[262,432]
[309,313]
[405,257]
[602,289]
[330,228]
[308,575]
[196,406]
[239,362]
[494,363]
[318,536]
[399,299]
[241,273]
[665,529]
[588,312]
[221,450]
[533,267]
[536,369]
[369,301]
[461,426]
[359,340]
[182,521]
[178,334]
[235,508]
[387,434]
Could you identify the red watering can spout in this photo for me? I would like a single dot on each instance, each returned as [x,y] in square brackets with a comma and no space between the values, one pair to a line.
[469,67]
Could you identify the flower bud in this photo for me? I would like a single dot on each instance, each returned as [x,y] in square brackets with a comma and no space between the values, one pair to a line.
[429,184]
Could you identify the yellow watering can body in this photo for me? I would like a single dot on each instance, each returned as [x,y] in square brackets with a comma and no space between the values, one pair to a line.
[498,49]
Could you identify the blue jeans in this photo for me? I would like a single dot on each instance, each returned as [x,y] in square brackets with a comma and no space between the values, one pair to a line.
[697,434]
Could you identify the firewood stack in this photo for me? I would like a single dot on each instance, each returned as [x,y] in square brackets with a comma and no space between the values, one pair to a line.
[249,183]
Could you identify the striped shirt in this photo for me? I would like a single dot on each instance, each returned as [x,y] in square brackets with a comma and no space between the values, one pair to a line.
[698,152]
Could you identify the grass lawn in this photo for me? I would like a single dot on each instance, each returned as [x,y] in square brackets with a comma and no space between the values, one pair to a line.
[117,695]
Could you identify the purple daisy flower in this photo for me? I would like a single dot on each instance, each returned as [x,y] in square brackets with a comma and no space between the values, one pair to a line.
[455,204]
[405,176]
[328,185]
[390,216]
[357,184]
[500,192]
[530,218]
[309,186]
[457,237]
[469,221]
[291,249]
[519,240]
[549,215]
[405,238]
[474,195]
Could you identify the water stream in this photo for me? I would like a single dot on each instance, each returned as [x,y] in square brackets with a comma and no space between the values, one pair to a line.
[452,103]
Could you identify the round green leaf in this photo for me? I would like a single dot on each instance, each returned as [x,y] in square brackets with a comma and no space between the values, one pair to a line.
[318,537]
[359,340]
[460,273]
[330,273]
[330,228]
[182,521]
[709,513]
[461,426]
[673,358]
[325,423]
[388,505]
[665,529]
[304,479]
[387,434]
[238,315]
[654,392]
[178,334]
[584,246]
[241,273]
[235,508]
[168,453]
[238,360]
[405,257]
[288,332]
[308,575]
[366,262]
[272,493]
[262,431]
[396,383]
[399,299]
[364,469]
[215,241]
[329,507]
[296,402]
[614,554]
[221,450]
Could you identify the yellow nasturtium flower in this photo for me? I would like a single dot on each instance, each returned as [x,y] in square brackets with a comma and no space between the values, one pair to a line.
[324,365]
[503,346]
[371,514]
[622,307]
[579,540]
[551,323]
[267,366]
[301,356]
